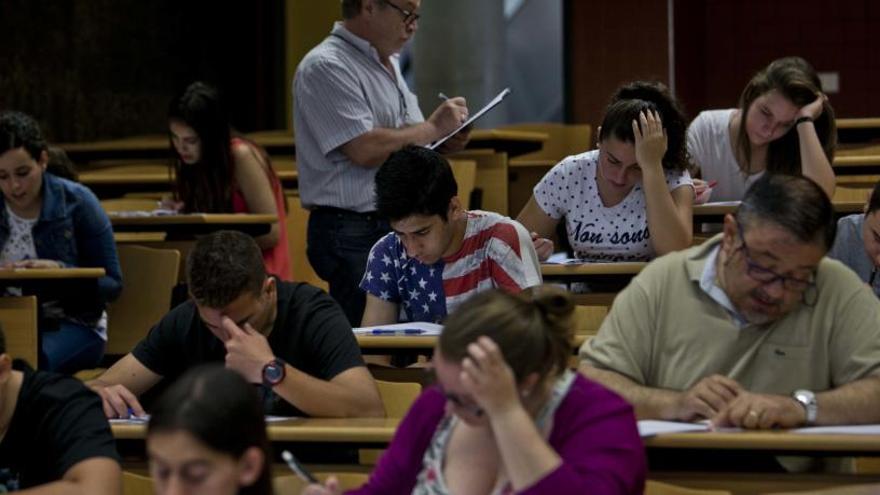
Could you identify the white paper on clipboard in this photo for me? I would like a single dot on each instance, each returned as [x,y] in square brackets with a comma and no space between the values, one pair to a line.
[489,106]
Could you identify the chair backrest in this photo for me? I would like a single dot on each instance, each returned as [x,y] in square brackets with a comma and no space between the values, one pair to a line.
[136,484]
[658,488]
[562,139]
[148,277]
[397,397]
[19,318]
[465,172]
[291,484]
[297,228]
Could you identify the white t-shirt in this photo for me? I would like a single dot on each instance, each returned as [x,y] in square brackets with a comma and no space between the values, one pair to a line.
[598,232]
[708,142]
[20,244]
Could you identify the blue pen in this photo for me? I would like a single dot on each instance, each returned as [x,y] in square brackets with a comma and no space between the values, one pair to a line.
[402,331]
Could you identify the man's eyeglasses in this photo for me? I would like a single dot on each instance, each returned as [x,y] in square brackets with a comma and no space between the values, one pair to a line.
[408,17]
[767,276]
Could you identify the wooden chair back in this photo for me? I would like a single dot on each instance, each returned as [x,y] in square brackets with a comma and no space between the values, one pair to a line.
[562,140]
[658,488]
[19,318]
[136,484]
[397,397]
[128,204]
[465,172]
[297,229]
[149,275]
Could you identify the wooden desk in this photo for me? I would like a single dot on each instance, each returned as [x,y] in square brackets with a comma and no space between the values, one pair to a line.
[587,272]
[514,143]
[153,146]
[359,431]
[180,227]
[861,131]
[714,213]
[50,273]
[856,164]
[423,345]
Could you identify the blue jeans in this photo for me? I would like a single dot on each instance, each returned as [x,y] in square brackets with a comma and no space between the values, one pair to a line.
[339,242]
[70,348]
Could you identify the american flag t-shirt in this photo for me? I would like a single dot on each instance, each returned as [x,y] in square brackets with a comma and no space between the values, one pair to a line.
[491,255]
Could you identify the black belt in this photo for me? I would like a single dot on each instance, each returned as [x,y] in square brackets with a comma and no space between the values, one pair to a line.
[343,213]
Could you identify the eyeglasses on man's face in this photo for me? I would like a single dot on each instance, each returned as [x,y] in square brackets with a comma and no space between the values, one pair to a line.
[767,276]
[408,17]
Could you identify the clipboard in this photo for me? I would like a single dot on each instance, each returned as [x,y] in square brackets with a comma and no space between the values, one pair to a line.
[473,118]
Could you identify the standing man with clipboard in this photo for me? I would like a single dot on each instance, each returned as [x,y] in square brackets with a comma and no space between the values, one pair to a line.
[352,109]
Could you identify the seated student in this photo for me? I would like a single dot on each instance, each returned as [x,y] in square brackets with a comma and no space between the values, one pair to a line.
[784,124]
[507,415]
[734,329]
[50,222]
[857,244]
[629,200]
[438,254]
[291,337]
[55,438]
[219,171]
[206,442]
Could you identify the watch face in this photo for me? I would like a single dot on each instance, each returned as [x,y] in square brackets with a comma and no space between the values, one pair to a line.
[273,373]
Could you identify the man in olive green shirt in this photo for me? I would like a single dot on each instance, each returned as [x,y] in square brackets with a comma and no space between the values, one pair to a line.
[754,328]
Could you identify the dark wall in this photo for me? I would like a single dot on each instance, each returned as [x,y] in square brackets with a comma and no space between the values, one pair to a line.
[609,43]
[97,69]
[719,44]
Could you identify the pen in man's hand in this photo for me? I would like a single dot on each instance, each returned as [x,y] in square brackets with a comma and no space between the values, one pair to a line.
[442,96]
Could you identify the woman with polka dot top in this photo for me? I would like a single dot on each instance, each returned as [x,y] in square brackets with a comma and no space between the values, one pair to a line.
[628,200]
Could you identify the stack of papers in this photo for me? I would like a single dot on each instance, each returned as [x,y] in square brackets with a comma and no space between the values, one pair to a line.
[653,427]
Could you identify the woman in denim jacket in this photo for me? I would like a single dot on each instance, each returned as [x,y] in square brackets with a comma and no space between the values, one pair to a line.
[50,222]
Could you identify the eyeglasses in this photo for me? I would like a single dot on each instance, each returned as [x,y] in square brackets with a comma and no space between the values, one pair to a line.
[767,276]
[408,17]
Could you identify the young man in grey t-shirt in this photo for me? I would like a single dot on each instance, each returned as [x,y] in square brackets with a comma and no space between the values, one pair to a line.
[858,241]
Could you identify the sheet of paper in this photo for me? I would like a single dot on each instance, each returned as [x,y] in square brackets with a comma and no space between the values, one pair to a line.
[412,328]
[722,203]
[134,420]
[839,430]
[473,118]
[562,259]
[275,419]
[652,427]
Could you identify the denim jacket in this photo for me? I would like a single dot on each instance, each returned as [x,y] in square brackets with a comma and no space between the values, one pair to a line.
[74,230]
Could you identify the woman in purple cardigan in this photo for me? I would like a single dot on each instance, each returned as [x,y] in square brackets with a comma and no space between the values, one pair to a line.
[507,414]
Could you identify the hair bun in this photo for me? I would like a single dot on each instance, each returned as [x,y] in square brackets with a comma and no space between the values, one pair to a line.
[555,304]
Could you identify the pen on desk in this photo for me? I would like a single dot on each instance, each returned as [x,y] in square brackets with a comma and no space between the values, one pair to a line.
[401,331]
[298,468]
[442,96]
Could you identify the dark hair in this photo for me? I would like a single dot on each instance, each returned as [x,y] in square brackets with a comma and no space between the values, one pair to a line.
[351,8]
[795,203]
[635,97]
[874,201]
[414,181]
[220,409]
[222,266]
[60,165]
[533,329]
[797,81]
[205,186]
[20,130]
[2,340]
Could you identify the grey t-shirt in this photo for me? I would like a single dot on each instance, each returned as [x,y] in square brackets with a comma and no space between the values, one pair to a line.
[849,248]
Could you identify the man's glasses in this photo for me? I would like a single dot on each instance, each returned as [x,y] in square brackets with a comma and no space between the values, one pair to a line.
[767,276]
[408,17]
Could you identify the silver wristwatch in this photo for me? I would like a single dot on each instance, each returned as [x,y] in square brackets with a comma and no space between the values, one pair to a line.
[807,399]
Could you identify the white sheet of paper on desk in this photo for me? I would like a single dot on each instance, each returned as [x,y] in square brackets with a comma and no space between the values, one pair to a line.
[653,427]
[489,106]
[426,328]
[839,430]
[275,419]
[722,203]
[562,259]
[134,420]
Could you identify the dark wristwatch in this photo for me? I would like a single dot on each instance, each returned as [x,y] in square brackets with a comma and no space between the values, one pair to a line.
[274,372]
[801,120]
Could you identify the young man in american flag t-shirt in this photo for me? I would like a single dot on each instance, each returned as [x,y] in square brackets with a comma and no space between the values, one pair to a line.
[438,254]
